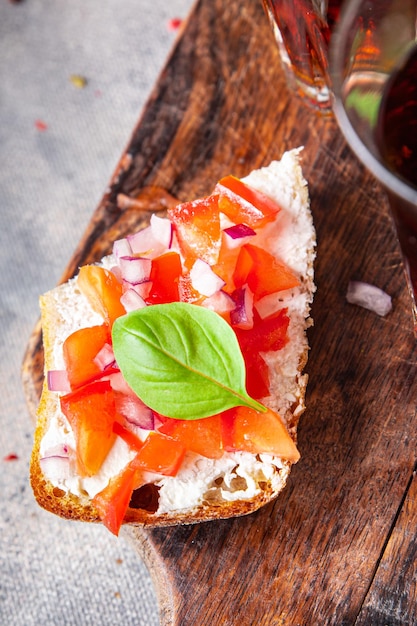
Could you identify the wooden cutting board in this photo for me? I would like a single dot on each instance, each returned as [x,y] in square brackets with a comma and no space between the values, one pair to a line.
[338,546]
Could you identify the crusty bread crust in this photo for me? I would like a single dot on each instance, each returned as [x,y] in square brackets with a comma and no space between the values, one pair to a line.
[79,507]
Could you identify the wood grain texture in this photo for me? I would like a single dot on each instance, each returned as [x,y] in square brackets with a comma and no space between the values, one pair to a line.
[392,598]
[337,547]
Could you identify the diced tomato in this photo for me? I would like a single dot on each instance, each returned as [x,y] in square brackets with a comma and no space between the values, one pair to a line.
[80,349]
[227,420]
[165,275]
[197,225]
[130,438]
[167,425]
[226,265]
[103,291]
[268,334]
[203,436]
[91,413]
[243,267]
[113,502]
[160,454]
[262,272]
[242,203]
[256,432]
[257,375]
[187,293]
[130,407]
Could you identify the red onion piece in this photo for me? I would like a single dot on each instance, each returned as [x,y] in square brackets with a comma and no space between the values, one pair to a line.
[117,273]
[129,404]
[268,305]
[204,280]
[142,289]
[56,467]
[135,270]
[220,302]
[118,383]
[139,241]
[135,411]
[121,247]
[242,314]
[57,380]
[105,357]
[238,231]
[132,301]
[145,243]
[162,230]
[56,463]
[60,449]
[369,297]
[108,372]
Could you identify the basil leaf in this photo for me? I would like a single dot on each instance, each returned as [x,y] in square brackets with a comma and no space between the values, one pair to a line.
[182,360]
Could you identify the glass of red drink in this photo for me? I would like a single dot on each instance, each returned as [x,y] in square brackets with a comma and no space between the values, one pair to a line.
[373,61]
[302,30]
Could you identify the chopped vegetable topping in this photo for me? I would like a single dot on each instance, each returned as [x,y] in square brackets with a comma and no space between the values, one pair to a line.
[91,412]
[369,297]
[178,363]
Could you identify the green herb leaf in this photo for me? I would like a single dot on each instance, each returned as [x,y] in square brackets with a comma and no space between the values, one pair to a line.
[182,360]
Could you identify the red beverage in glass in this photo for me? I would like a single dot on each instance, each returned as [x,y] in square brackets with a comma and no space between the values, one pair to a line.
[303,29]
[396,138]
[373,55]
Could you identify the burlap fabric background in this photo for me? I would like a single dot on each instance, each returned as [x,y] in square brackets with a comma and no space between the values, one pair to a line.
[59,144]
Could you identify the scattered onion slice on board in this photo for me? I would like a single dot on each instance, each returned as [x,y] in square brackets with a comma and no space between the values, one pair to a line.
[369,297]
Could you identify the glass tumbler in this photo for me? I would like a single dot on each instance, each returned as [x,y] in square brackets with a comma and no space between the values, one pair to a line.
[302,30]
[373,66]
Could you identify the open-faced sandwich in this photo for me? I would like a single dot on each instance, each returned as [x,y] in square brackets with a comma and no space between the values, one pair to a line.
[174,367]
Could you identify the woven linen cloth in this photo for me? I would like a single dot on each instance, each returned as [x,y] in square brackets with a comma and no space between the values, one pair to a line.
[74,77]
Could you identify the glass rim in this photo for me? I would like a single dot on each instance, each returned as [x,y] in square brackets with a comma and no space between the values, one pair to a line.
[389,180]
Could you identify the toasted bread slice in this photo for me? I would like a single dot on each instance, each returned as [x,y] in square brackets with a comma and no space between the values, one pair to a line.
[204,489]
